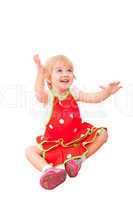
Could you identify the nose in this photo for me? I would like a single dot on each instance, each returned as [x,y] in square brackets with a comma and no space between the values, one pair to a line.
[65,74]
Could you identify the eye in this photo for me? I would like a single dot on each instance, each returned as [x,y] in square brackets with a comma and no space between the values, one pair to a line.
[69,70]
[59,70]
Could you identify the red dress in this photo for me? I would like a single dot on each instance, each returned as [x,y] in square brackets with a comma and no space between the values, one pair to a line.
[66,136]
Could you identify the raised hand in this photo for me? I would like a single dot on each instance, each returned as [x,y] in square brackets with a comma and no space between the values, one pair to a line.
[40,67]
[112,87]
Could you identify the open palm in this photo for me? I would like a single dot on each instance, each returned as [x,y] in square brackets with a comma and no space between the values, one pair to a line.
[38,63]
[112,87]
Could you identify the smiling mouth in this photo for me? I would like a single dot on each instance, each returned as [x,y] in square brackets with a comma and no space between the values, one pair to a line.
[64,81]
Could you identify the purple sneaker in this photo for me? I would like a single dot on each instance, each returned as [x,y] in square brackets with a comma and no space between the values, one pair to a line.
[73,166]
[52,177]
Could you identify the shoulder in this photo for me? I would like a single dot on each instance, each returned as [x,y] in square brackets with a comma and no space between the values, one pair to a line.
[74,90]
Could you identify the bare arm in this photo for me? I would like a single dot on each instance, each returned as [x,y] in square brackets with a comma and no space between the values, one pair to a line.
[98,97]
[41,93]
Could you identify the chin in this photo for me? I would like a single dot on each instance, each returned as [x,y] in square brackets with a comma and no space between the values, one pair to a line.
[64,88]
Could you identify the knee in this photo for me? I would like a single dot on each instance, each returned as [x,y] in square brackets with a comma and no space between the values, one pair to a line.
[104,136]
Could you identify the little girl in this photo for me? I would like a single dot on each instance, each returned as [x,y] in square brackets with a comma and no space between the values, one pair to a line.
[66,141]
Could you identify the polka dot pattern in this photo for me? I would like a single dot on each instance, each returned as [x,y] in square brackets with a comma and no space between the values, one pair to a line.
[75,130]
[51,126]
[61,121]
[69,155]
[71,115]
[42,137]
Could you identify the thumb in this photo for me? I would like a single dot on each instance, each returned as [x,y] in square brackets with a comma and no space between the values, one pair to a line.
[36,59]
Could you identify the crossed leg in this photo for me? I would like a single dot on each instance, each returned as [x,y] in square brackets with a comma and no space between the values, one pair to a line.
[33,154]
[100,140]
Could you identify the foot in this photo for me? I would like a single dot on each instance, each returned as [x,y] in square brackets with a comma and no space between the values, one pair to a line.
[52,177]
[73,166]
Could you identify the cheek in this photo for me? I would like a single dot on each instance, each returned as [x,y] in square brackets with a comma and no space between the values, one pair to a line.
[54,77]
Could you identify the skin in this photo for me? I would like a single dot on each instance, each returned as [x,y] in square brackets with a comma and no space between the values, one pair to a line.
[60,72]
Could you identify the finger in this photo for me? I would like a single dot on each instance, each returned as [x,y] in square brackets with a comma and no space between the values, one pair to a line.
[36,55]
[102,87]
[112,82]
[117,83]
[36,59]
[118,88]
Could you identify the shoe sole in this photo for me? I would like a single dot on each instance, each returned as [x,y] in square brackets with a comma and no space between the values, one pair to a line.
[52,179]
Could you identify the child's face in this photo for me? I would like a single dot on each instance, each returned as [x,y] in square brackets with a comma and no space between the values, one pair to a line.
[62,76]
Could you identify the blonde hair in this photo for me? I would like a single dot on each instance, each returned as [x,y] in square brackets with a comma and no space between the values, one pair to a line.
[49,65]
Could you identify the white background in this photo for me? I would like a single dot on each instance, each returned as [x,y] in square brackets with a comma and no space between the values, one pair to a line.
[98,37]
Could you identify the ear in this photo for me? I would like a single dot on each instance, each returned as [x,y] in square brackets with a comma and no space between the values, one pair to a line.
[74,77]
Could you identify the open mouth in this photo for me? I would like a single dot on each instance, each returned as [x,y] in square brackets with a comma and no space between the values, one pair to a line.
[64,81]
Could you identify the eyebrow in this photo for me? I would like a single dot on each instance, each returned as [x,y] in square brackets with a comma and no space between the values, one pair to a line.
[68,67]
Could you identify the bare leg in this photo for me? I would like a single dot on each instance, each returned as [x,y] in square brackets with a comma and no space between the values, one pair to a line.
[100,140]
[33,154]
[49,180]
